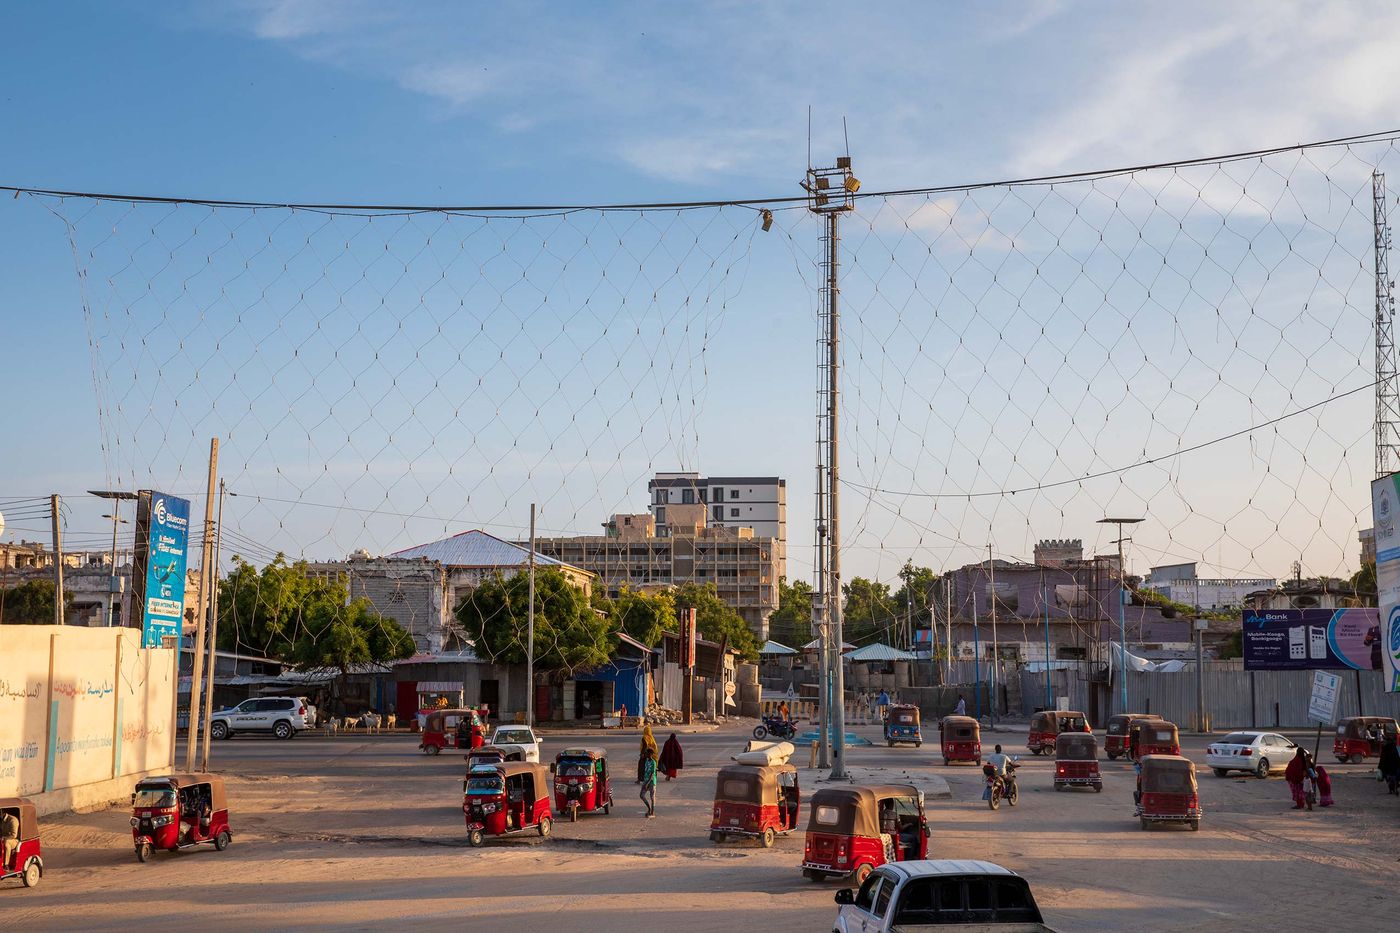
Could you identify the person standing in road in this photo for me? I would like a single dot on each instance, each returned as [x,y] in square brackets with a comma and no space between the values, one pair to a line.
[672,758]
[648,794]
[648,748]
[961,708]
[1390,766]
[1295,774]
[883,701]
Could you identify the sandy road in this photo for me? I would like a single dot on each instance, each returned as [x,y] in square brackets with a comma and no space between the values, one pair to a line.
[357,833]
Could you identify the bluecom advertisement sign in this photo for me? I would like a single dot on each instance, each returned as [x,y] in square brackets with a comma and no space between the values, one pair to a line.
[1311,639]
[1385,509]
[162,539]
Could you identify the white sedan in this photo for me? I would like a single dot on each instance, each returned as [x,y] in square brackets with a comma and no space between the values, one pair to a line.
[1256,752]
[518,742]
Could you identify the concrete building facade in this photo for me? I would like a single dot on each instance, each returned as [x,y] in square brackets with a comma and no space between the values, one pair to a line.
[757,502]
[1179,583]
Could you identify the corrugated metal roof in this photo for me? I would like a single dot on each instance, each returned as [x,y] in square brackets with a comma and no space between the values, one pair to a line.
[879,652]
[476,548]
[772,647]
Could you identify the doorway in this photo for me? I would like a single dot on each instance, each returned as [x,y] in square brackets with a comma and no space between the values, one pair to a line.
[588,699]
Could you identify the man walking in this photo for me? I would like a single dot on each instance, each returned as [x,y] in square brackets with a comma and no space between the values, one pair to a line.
[961,708]
[648,794]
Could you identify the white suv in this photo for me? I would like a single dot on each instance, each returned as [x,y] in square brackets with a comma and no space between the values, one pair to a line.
[284,717]
[518,742]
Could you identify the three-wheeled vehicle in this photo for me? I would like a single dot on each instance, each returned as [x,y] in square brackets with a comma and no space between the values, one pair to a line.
[507,799]
[755,801]
[27,863]
[485,755]
[1077,761]
[1157,737]
[902,724]
[1049,723]
[1362,737]
[451,728]
[179,811]
[961,739]
[1116,736]
[581,782]
[855,829]
[1167,791]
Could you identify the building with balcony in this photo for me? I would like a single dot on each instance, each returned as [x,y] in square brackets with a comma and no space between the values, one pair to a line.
[757,502]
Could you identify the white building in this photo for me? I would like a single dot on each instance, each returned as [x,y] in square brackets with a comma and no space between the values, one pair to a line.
[1179,583]
[757,502]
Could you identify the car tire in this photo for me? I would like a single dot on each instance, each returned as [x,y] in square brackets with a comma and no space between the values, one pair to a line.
[283,729]
[1261,770]
[33,872]
[222,840]
[769,837]
[1220,772]
[218,730]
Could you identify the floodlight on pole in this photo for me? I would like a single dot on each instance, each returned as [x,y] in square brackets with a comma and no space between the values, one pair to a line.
[1122,590]
[117,496]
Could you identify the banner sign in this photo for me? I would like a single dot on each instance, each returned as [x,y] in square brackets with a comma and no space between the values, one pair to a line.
[1385,502]
[1322,704]
[1311,639]
[158,577]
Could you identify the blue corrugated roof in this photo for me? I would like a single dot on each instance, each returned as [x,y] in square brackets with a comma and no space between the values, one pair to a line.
[476,549]
[772,647]
[879,652]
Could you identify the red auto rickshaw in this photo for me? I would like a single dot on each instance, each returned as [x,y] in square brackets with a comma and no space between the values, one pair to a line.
[961,739]
[581,782]
[27,864]
[179,811]
[1167,791]
[1049,723]
[853,830]
[1077,761]
[1362,737]
[451,728]
[1117,735]
[1157,737]
[755,801]
[507,799]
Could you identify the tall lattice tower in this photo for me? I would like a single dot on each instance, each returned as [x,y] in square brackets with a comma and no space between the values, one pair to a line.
[1387,386]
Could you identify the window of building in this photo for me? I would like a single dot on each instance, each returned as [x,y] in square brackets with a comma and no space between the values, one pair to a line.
[733,493]
[718,512]
[687,497]
[719,493]
[733,513]
[661,516]
[660,497]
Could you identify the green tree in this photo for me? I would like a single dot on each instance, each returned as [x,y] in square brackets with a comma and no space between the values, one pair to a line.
[714,619]
[912,598]
[640,615]
[869,610]
[1362,585]
[283,612]
[791,622]
[31,603]
[569,633]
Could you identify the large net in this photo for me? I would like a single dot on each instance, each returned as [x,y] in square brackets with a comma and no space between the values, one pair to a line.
[1192,343]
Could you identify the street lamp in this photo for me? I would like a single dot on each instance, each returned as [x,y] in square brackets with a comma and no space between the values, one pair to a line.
[116,496]
[1122,627]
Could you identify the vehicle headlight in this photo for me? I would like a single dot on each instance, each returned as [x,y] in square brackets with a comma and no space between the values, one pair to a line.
[560,788]
[163,820]
[135,821]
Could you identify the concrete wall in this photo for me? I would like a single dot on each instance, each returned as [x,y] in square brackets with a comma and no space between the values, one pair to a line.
[83,713]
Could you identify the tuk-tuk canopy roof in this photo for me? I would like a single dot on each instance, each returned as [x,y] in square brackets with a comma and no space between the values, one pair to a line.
[592,754]
[1077,746]
[1168,774]
[1118,724]
[961,722]
[540,773]
[486,751]
[1158,730]
[906,709]
[28,817]
[760,782]
[1052,720]
[1355,726]
[435,717]
[857,806]
[218,800]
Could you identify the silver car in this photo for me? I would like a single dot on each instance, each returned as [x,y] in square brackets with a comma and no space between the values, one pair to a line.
[283,717]
[1255,752]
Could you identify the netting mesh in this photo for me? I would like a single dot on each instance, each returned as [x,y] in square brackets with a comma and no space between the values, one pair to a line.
[1019,360]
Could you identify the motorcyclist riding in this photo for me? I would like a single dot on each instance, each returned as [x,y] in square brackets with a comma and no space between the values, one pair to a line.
[1004,767]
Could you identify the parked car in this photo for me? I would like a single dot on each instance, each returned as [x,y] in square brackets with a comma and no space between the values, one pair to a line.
[1256,752]
[284,717]
[973,895]
[519,743]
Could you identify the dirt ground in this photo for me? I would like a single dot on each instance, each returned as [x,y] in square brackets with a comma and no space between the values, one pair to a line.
[357,833]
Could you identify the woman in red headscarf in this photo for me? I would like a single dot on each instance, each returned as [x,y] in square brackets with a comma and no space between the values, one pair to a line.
[672,759]
[1295,774]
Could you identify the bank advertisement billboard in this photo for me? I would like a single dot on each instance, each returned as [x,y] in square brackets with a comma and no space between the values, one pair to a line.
[1311,639]
[1385,503]
[162,539]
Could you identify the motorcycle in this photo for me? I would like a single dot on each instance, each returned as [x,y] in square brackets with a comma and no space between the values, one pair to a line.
[997,788]
[776,726]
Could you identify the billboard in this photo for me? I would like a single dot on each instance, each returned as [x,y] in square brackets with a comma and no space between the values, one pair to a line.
[1385,502]
[1310,639]
[158,577]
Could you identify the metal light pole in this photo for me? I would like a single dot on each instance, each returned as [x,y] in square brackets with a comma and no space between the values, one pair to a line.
[213,633]
[1122,589]
[996,660]
[530,636]
[116,496]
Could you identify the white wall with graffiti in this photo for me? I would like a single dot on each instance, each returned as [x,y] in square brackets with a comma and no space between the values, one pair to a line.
[79,707]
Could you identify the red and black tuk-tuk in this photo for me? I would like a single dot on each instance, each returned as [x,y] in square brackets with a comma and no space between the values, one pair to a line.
[755,801]
[1077,761]
[179,811]
[485,755]
[581,782]
[1049,723]
[853,830]
[507,799]
[961,739]
[1167,791]
[27,862]
[1362,737]
[902,724]
[1119,732]
[1156,737]
[452,728]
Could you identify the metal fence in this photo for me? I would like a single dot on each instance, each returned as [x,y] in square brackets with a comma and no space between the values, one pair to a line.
[1256,699]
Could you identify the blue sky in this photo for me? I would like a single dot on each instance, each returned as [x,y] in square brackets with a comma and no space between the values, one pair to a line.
[538,103]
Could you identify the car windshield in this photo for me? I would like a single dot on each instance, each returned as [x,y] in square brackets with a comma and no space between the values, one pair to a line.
[1238,738]
[517,736]
[155,797]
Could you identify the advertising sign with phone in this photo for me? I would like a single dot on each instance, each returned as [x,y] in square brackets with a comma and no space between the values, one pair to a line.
[1311,639]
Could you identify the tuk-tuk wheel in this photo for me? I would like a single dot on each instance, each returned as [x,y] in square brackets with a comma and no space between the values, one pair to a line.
[222,840]
[573,814]
[1342,759]
[143,851]
[811,875]
[1035,751]
[1059,786]
[475,838]
[889,742]
[945,762]
[716,837]
[1146,823]
[863,872]
[918,744]
[769,837]
[32,873]
[1195,826]
[545,824]
[1098,788]
[1112,756]
[433,750]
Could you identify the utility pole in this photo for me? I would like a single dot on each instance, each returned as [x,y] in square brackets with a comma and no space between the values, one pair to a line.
[1387,383]
[1122,591]
[1045,597]
[213,630]
[948,631]
[996,659]
[530,634]
[829,202]
[819,601]
[206,570]
[57,561]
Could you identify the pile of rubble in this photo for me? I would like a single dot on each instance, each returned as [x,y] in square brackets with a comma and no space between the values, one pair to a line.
[661,716]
